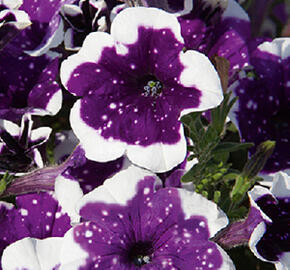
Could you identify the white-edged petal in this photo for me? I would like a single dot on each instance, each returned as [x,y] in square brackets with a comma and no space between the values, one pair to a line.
[284,263]
[195,204]
[10,127]
[201,74]
[254,194]
[279,47]
[72,255]
[256,237]
[55,103]
[269,177]
[50,41]
[124,28]
[91,52]
[158,157]
[281,185]
[42,133]
[32,254]
[68,192]
[234,10]
[103,150]
[227,262]
[120,188]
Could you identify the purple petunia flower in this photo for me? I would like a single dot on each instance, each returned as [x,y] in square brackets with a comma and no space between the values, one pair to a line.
[218,28]
[135,84]
[86,17]
[28,84]
[12,20]
[264,91]
[270,241]
[46,30]
[36,215]
[127,225]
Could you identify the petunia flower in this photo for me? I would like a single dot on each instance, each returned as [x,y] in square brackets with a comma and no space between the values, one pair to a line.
[218,28]
[83,17]
[28,84]
[19,145]
[127,224]
[270,241]
[46,30]
[135,84]
[12,20]
[36,215]
[261,110]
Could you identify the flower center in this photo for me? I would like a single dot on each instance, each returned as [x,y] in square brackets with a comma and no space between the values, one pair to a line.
[140,253]
[152,87]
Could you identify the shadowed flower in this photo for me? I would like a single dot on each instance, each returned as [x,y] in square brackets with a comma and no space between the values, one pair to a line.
[86,17]
[270,241]
[12,20]
[261,110]
[19,145]
[28,84]
[135,84]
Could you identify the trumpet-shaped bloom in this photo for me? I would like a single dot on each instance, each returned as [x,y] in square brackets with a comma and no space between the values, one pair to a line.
[135,84]
[128,224]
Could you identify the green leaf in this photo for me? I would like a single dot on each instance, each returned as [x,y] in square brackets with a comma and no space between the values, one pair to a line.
[191,174]
[225,147]
[5,181]
[216,196]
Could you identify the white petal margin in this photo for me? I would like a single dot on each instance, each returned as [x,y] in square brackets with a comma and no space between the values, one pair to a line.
[255,238]
[32,254]
[42,133]
[119,189]
[91,52]
[49,41]
[227,262]
[95,146]
[55,102]
[124,28]
[10,127]
[279,47]
[193,204]
[68,192]
[12,4]
[234,10]
[284,263]
[158,157]
[201,74]
[21,17]
[72,256]
[269,177]
[256,193]
[281,185]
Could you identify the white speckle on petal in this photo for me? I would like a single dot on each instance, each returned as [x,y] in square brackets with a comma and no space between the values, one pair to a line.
[23,212]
